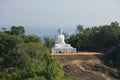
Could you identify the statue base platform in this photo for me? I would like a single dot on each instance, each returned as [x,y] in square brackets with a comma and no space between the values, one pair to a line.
[63,48]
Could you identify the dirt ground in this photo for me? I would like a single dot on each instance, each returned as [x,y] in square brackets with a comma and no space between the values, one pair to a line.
[86,66]
[78,53]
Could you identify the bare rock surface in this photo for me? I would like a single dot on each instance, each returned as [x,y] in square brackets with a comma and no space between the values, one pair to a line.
[87,67]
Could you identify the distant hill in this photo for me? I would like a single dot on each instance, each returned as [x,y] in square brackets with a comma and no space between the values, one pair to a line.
[87,67]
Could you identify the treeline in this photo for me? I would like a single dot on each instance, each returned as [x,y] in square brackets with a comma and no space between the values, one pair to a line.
[24,57]
[104,38]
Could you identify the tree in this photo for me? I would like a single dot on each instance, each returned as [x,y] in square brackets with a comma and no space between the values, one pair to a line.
[79,29]
[104,38]
[31,38]
[3,29]
[7,45]
[53,70]
[17,30]
[22,59]
[48,42]
[115,24]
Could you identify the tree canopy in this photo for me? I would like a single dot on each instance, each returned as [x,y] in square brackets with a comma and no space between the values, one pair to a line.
[24,57]
[105,39]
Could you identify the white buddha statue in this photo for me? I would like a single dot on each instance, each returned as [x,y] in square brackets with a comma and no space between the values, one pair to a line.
[60,45]
[60,39]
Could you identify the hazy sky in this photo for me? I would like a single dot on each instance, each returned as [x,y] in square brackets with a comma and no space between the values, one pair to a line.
[51,14]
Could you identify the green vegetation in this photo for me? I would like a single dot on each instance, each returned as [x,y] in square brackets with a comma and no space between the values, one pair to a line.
[24,57]
[49,42]
[105,39]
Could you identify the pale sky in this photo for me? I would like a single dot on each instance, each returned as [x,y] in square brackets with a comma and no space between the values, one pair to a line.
[51,14]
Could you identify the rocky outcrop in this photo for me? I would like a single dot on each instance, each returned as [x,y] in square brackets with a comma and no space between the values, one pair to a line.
[87,67]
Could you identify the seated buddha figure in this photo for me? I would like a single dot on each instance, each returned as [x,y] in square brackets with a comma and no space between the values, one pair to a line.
[60,39]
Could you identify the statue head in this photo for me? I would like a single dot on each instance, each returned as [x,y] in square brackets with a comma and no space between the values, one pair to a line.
[60,31]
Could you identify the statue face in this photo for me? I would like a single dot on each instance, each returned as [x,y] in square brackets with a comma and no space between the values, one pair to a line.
[60,31]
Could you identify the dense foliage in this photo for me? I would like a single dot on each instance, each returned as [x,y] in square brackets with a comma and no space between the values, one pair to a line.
[24,57]
[49,42]
[105,39]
